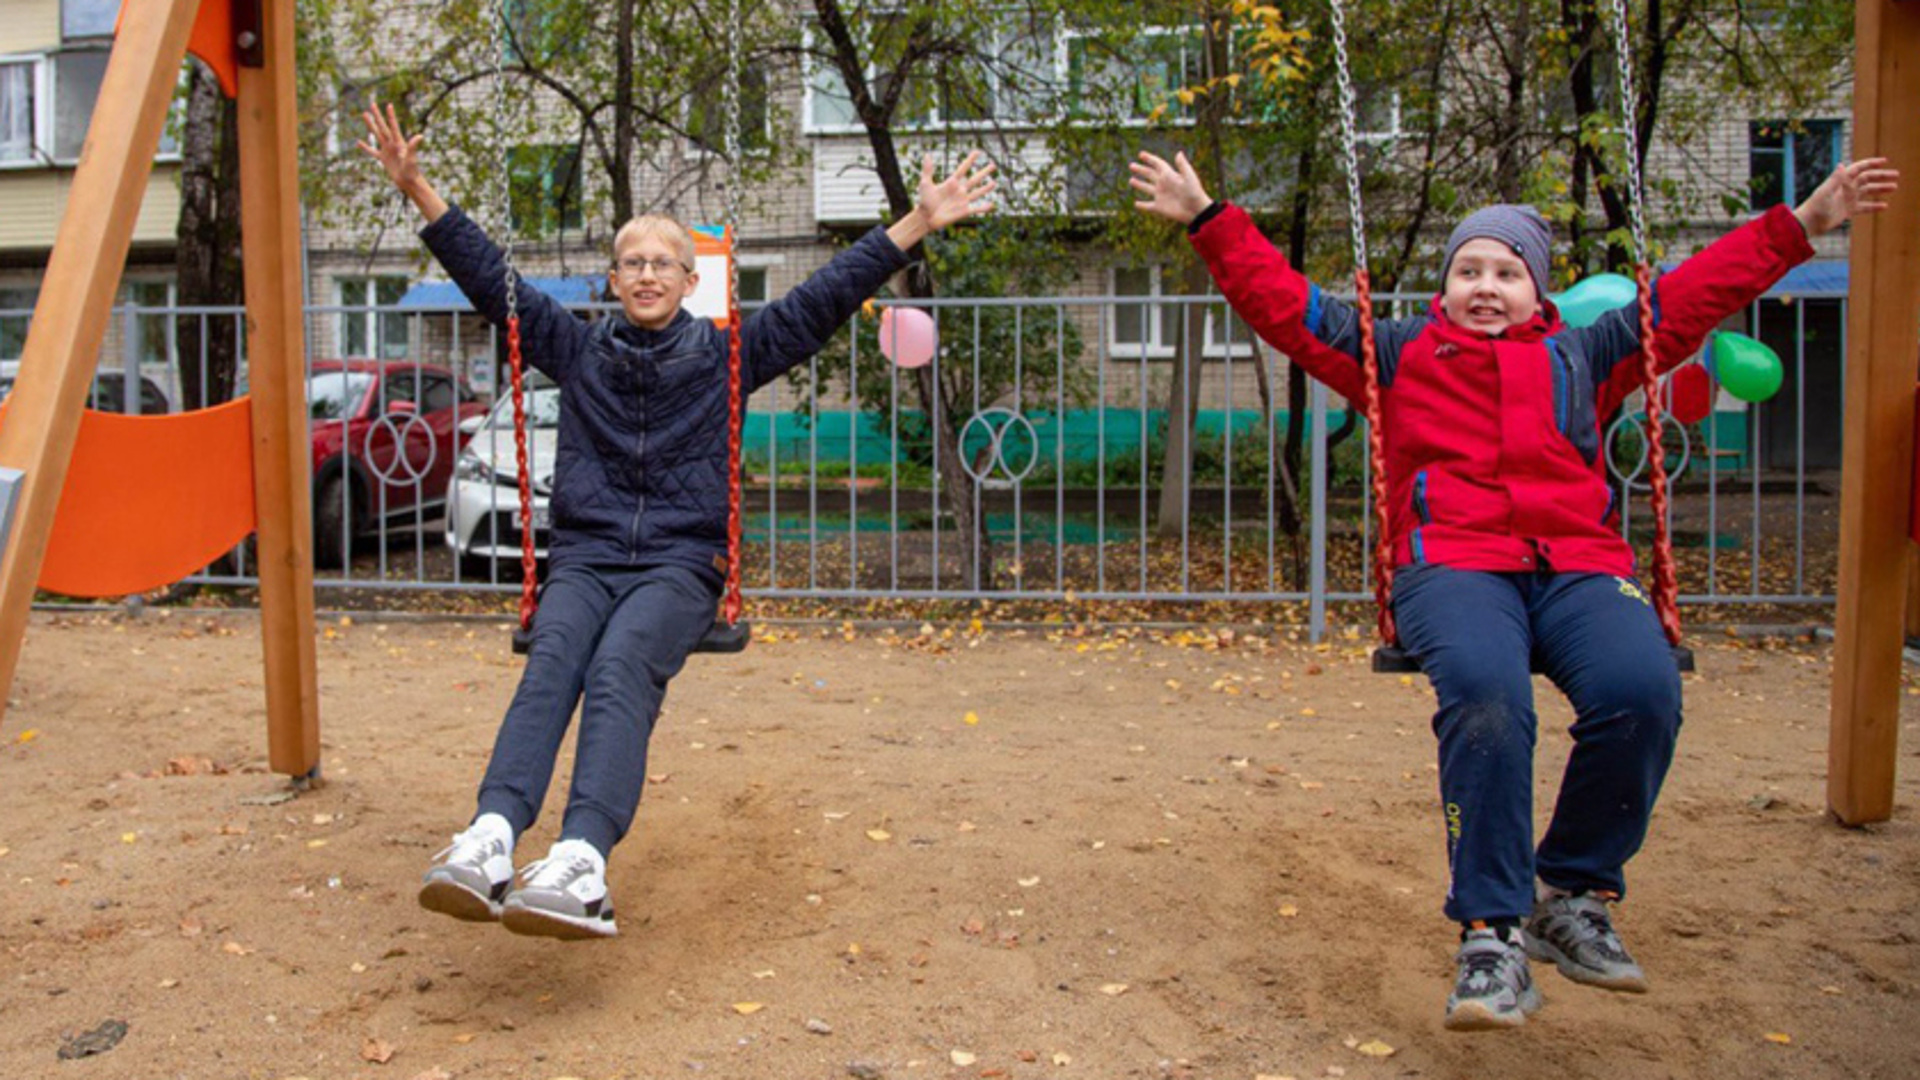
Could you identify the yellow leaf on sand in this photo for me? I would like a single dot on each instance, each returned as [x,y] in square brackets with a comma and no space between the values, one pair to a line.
[1288,911]
[972,718]
[961,1057]
[316,843]
[1061,1059]
[27,736]
[1780,1037]
[1375,1048]
[1114,989]
[236,949]
[128,838]
[879,836]
[747,1008]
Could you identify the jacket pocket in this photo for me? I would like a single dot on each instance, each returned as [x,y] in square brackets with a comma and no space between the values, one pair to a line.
[1421,509]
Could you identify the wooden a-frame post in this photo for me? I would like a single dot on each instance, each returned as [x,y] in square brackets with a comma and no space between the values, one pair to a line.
[70,321]
[1876,474]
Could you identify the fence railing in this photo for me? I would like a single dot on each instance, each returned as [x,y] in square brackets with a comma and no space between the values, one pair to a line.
[1062,412]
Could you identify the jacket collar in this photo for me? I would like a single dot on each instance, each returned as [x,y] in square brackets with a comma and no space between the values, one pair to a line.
[639,337]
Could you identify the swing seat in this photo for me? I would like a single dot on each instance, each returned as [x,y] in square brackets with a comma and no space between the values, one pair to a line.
[719,638]
[1394,660]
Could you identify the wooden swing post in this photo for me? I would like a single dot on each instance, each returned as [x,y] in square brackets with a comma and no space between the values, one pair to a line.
[70,321]
[1876,484]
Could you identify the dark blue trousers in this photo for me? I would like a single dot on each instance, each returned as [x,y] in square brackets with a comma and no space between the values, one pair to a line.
[1597,638]
[607,640]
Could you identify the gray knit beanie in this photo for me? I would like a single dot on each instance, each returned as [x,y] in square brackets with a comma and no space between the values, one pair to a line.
[1519,227]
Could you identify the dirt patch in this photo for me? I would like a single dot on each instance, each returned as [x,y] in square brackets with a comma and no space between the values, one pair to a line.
[972,855]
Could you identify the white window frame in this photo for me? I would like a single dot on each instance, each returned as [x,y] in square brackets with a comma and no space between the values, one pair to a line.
[1157,344]
[42,118]
[1002,116]
[373,326]
[697,148]
[1214,346]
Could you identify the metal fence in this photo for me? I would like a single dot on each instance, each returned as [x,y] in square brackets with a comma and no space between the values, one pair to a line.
[1060,409]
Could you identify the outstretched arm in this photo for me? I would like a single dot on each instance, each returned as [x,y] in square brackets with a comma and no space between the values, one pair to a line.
[1860,187]
[399,155]
[945,202]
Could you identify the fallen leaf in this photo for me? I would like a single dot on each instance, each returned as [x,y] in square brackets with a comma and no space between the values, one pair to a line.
[1061,1059]
[879,836]
[1288,911]
[747,1008]
[1375,1048]
[357,967]
[435,1073]
[1029,882]
[1114,989]
[316,843]
[767,974]
[961,1057]
[1780,1037]
[27,736]
[376,1051]
[465,1037]
[972,718]
[168,984]
[236,949]
[128,837]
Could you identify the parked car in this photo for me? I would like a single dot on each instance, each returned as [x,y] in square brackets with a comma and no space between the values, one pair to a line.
[384,435]
[107,394]
[483,510]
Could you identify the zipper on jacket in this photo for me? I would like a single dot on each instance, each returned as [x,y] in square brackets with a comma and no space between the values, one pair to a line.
[1563,387]
[1420,498]
[1613,500]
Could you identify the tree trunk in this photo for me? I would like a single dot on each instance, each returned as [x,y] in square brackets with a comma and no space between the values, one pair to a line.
[876,117]
[620,169]
[1183,406]
[207,263]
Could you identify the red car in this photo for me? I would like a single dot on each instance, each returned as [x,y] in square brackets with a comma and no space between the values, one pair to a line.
[385,435]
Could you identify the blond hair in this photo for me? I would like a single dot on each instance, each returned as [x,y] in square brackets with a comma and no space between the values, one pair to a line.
[661,226]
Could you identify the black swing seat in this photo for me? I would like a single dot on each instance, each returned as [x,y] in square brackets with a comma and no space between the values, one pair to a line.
[719,638]
[1394,660]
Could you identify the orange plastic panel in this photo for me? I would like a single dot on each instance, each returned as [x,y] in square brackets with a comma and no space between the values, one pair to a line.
[150,499]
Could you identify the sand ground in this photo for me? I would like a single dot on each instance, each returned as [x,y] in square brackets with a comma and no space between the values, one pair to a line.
[890,854]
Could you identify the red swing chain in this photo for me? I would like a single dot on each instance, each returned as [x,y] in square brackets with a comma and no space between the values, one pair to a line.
[1665,584]
[731,604]
[1382,561]
[529,576]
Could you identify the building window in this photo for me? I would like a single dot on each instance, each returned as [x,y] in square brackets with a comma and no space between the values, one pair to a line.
[753,285]
[707,117]
[16,311]
[365,331]
[76,86]
[1786,160]
[545,183]
[1235,333]
[1140,80]
[19,99]
[1138,327]
[88,18]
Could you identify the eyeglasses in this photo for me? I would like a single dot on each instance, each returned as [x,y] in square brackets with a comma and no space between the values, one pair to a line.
[632,266]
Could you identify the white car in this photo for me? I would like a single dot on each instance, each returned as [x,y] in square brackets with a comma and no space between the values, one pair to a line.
[483,504]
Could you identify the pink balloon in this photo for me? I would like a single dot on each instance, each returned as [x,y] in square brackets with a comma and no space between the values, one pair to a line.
[906,336]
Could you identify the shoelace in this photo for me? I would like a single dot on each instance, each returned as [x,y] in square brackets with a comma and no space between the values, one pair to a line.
[467,848]
[555,871]
[1483,965]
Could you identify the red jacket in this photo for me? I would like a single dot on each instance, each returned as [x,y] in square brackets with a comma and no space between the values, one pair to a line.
[1493,444]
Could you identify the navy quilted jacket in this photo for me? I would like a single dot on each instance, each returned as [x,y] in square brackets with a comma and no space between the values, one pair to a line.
[640,472]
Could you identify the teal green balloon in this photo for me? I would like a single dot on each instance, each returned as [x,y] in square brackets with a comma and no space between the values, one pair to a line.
[1748,369]
[1594,296]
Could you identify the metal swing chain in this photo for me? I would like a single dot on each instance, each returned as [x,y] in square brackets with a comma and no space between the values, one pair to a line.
[502,223]
[1665,583]
[731,603]
[1369,358]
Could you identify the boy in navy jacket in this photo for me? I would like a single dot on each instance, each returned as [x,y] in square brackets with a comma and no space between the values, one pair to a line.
[1507,546]
[639,498]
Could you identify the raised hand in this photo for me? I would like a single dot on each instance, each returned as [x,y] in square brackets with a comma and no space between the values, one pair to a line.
[1859,187]
[399,155]
[1171,189]
[956,198]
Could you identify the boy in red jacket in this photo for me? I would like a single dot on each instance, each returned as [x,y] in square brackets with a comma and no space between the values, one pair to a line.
[1507,546]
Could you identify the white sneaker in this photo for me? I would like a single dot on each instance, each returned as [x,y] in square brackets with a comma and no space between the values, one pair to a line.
[563,895]
[470,876]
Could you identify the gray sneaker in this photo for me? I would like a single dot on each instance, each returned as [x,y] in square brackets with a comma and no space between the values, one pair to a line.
[1494,988]
[470,876]
[1576,933]
[563,895]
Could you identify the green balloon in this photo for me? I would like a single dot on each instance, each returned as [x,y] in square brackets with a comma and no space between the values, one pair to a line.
[1748,369]
[1594,296]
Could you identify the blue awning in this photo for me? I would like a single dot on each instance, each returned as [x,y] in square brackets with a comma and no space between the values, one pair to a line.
[443,295]
[1819,277]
